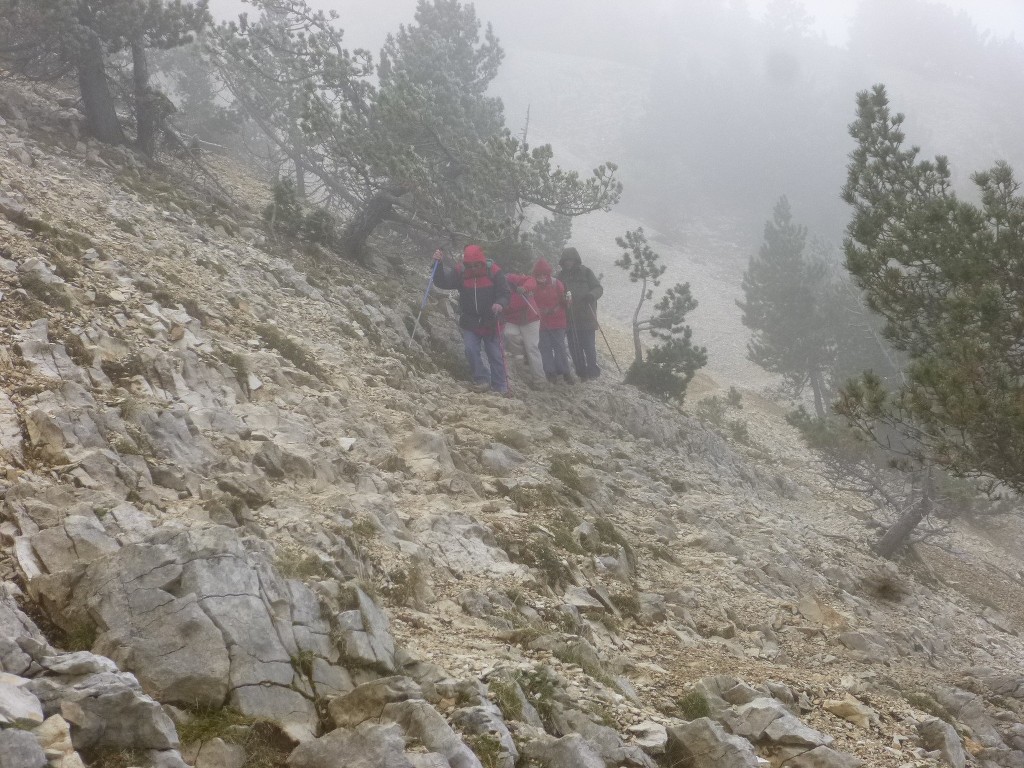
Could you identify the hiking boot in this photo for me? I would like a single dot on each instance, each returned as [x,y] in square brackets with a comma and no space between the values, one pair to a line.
[552,378]
[569,379]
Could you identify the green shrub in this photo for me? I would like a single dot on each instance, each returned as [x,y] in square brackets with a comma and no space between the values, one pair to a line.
[283,215]
[320,227]
[694,705]
[711,410]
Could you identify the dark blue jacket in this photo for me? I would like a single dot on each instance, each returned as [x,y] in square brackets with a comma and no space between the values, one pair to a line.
[476,296]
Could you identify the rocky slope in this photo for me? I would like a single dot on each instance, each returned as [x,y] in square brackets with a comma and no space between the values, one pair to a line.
[245,523]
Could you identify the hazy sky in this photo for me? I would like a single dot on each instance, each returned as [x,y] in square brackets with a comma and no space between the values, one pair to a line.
[367,22]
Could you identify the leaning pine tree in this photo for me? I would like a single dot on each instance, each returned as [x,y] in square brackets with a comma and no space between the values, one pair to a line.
[669,367]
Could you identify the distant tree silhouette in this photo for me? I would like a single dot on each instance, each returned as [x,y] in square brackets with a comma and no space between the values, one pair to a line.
[47,39]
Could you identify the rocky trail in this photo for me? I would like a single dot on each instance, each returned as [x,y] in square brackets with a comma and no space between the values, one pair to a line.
[244,523]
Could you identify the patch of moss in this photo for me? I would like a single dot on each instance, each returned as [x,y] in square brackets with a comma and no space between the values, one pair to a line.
[302,567]
[487,748]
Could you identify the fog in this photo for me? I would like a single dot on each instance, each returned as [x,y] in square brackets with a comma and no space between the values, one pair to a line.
[723,105]
[713,109]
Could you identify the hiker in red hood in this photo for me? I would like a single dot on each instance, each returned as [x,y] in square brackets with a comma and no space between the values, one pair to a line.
[522,326]
[483,298]
[550,302]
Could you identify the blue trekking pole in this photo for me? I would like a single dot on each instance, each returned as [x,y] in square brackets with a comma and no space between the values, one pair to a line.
[423,304]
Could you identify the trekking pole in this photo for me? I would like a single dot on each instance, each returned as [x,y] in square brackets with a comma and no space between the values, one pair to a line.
[423,304]
[593,314]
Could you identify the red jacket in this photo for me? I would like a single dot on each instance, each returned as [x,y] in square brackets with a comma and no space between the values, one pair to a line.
[519,311]
[549,297]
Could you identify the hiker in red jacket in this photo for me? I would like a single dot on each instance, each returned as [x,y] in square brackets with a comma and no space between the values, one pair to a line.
[483,297]
[551,303]
[522,325]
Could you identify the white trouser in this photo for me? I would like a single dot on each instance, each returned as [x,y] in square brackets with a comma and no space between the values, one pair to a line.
[526,336]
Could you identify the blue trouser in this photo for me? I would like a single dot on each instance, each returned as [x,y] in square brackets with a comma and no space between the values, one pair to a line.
[472,341]
[583,348]
[552,351]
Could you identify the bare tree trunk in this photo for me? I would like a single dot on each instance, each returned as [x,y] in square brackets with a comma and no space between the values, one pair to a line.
[358,230]
[897,535]
[816,387]
[100,114]
[146,118]
[638,350]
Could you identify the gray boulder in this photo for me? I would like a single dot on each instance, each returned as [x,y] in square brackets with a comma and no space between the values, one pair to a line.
[768,720]
[18,707]
[366,639]
[939,735]
[572,751]
[423,723]
[20,749]
[369,745]
[703,743]
[367,701]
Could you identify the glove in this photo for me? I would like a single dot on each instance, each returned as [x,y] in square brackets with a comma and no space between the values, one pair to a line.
[496,308]
[438,254]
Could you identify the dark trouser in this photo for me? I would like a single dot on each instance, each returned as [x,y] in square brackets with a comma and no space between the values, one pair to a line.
[583,348]
[491,345]
[552,351]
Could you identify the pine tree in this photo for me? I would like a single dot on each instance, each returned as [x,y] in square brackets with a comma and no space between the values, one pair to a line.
[47,39]
[669,366]
[947,276]
[273,65]
[787,294]
[435,154]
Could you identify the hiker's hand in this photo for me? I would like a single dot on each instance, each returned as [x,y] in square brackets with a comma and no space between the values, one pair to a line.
[438,254]
[496,308]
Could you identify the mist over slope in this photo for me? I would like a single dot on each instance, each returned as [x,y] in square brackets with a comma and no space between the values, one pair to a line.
[244,521]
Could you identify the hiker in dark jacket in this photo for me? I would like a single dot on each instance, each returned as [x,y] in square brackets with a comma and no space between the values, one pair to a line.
[483,297]
[583,289]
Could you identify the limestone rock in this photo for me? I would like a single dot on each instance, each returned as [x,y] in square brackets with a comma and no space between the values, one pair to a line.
[939,735]
[20,749]
[369,745]
[572,751]
[486,720]
[651,737]
[426,454]
[367,701]
[366,639]
[18,707]
[852,709]
[703,743]
[423,723]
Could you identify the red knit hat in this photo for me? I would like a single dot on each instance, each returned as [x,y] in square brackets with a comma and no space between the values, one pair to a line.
[541,267]
[473,253]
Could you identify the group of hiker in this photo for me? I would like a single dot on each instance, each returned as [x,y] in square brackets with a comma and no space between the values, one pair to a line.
[537,314]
